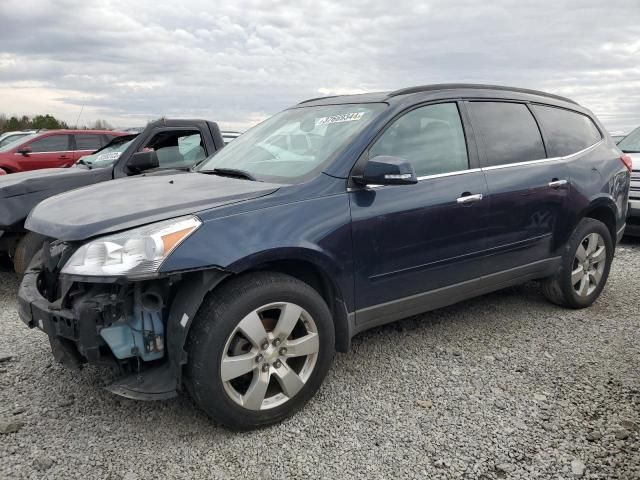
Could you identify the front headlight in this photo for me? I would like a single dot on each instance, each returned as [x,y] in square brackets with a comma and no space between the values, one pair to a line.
[134,253]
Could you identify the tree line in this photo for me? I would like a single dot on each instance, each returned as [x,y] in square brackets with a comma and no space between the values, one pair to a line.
[47,121]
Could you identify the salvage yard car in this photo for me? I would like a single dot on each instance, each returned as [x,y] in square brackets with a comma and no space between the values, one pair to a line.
[164,144]
[237,282]
[630,145]
[10,137]
[52,149]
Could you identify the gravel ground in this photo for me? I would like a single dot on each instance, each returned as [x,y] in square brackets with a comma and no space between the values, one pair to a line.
[503,386]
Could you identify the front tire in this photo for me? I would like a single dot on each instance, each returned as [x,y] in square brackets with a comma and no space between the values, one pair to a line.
[26,249]
[259,349]
[585,266]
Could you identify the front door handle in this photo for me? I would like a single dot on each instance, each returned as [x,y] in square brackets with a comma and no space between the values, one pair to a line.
[467,199]
[62,157]
[555,183]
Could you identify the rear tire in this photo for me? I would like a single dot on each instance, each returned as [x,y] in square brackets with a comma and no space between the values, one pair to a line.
[585,265]
[259,348]
[26,249]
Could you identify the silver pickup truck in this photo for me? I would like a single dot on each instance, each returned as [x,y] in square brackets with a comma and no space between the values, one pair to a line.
[631,146]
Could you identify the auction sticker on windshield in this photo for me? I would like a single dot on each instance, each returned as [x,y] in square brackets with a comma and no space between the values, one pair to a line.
[345,117]
[108,156]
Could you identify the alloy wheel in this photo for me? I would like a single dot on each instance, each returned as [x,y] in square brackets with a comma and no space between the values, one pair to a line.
[269,356]
[588,264]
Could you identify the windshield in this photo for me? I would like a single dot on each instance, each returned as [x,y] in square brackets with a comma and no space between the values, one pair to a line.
[107,155]
[19,141]
[295,143]
[631,143]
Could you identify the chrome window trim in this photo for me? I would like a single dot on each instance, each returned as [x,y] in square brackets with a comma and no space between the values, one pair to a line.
[493,167]
[448,174]
[424,177]
[543,160]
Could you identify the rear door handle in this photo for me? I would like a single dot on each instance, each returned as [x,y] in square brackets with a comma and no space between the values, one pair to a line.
[63,156]
[557,183]
[467,199]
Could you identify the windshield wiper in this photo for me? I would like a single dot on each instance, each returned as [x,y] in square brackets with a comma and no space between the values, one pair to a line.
[231,172]
[630,151]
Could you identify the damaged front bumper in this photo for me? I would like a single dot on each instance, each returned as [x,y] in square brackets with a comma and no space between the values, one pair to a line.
[119,325]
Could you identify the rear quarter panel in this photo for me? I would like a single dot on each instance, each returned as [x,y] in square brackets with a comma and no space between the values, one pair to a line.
[598,178]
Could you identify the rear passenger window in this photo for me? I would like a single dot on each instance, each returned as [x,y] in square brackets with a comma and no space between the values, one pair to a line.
[566,132]
[508,132]
[430,137]
[88,142]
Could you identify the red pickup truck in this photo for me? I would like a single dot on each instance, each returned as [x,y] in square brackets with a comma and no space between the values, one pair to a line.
[52,149]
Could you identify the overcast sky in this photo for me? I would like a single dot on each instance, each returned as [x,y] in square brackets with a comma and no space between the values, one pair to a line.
[240,61]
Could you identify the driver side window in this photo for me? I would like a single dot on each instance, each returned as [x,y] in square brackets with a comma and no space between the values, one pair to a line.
[177,149]
[430,137]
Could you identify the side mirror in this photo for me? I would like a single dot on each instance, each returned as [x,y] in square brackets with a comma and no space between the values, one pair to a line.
[26,150]
[385,170]
[141,161]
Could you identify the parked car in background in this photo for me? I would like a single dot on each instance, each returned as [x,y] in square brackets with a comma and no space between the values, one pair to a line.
[229,135]
[9,137]
[165,144]
[631,146]
[617,135]
[239,280]
[52,149]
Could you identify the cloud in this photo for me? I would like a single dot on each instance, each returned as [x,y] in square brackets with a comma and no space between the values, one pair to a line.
[238,62]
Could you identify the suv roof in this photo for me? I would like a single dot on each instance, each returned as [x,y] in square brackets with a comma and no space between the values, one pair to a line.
[437,88]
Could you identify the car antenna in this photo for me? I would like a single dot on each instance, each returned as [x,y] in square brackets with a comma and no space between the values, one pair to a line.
[78,119]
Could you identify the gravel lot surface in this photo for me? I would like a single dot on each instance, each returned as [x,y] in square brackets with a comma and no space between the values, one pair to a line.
[503,386]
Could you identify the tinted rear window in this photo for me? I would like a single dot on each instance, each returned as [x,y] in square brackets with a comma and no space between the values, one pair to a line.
[508,132]
[88,142]
[566,132]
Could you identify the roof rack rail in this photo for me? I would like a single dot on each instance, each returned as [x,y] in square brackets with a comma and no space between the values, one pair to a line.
[451,86]
[318,98]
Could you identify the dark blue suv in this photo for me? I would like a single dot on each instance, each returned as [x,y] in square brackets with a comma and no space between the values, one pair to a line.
[238,280]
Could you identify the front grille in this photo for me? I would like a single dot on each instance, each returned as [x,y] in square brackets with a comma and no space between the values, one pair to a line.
[634,189]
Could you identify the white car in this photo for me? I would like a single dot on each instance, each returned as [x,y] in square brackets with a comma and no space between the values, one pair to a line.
[9,137]
[631,146]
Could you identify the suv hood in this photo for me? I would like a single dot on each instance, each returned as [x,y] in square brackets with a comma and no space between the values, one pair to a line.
[20,192]
[37,180]
[131,202]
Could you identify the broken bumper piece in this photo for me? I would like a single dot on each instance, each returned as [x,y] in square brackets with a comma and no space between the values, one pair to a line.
[108,325]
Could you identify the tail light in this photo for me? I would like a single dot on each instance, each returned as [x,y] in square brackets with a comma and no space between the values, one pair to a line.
[626,159]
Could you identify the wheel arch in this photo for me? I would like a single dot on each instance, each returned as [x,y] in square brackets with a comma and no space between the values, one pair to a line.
[316,270]
[307,265]
[603,210]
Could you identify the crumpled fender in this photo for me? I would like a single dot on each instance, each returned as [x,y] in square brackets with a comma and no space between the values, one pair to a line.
[184,307]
